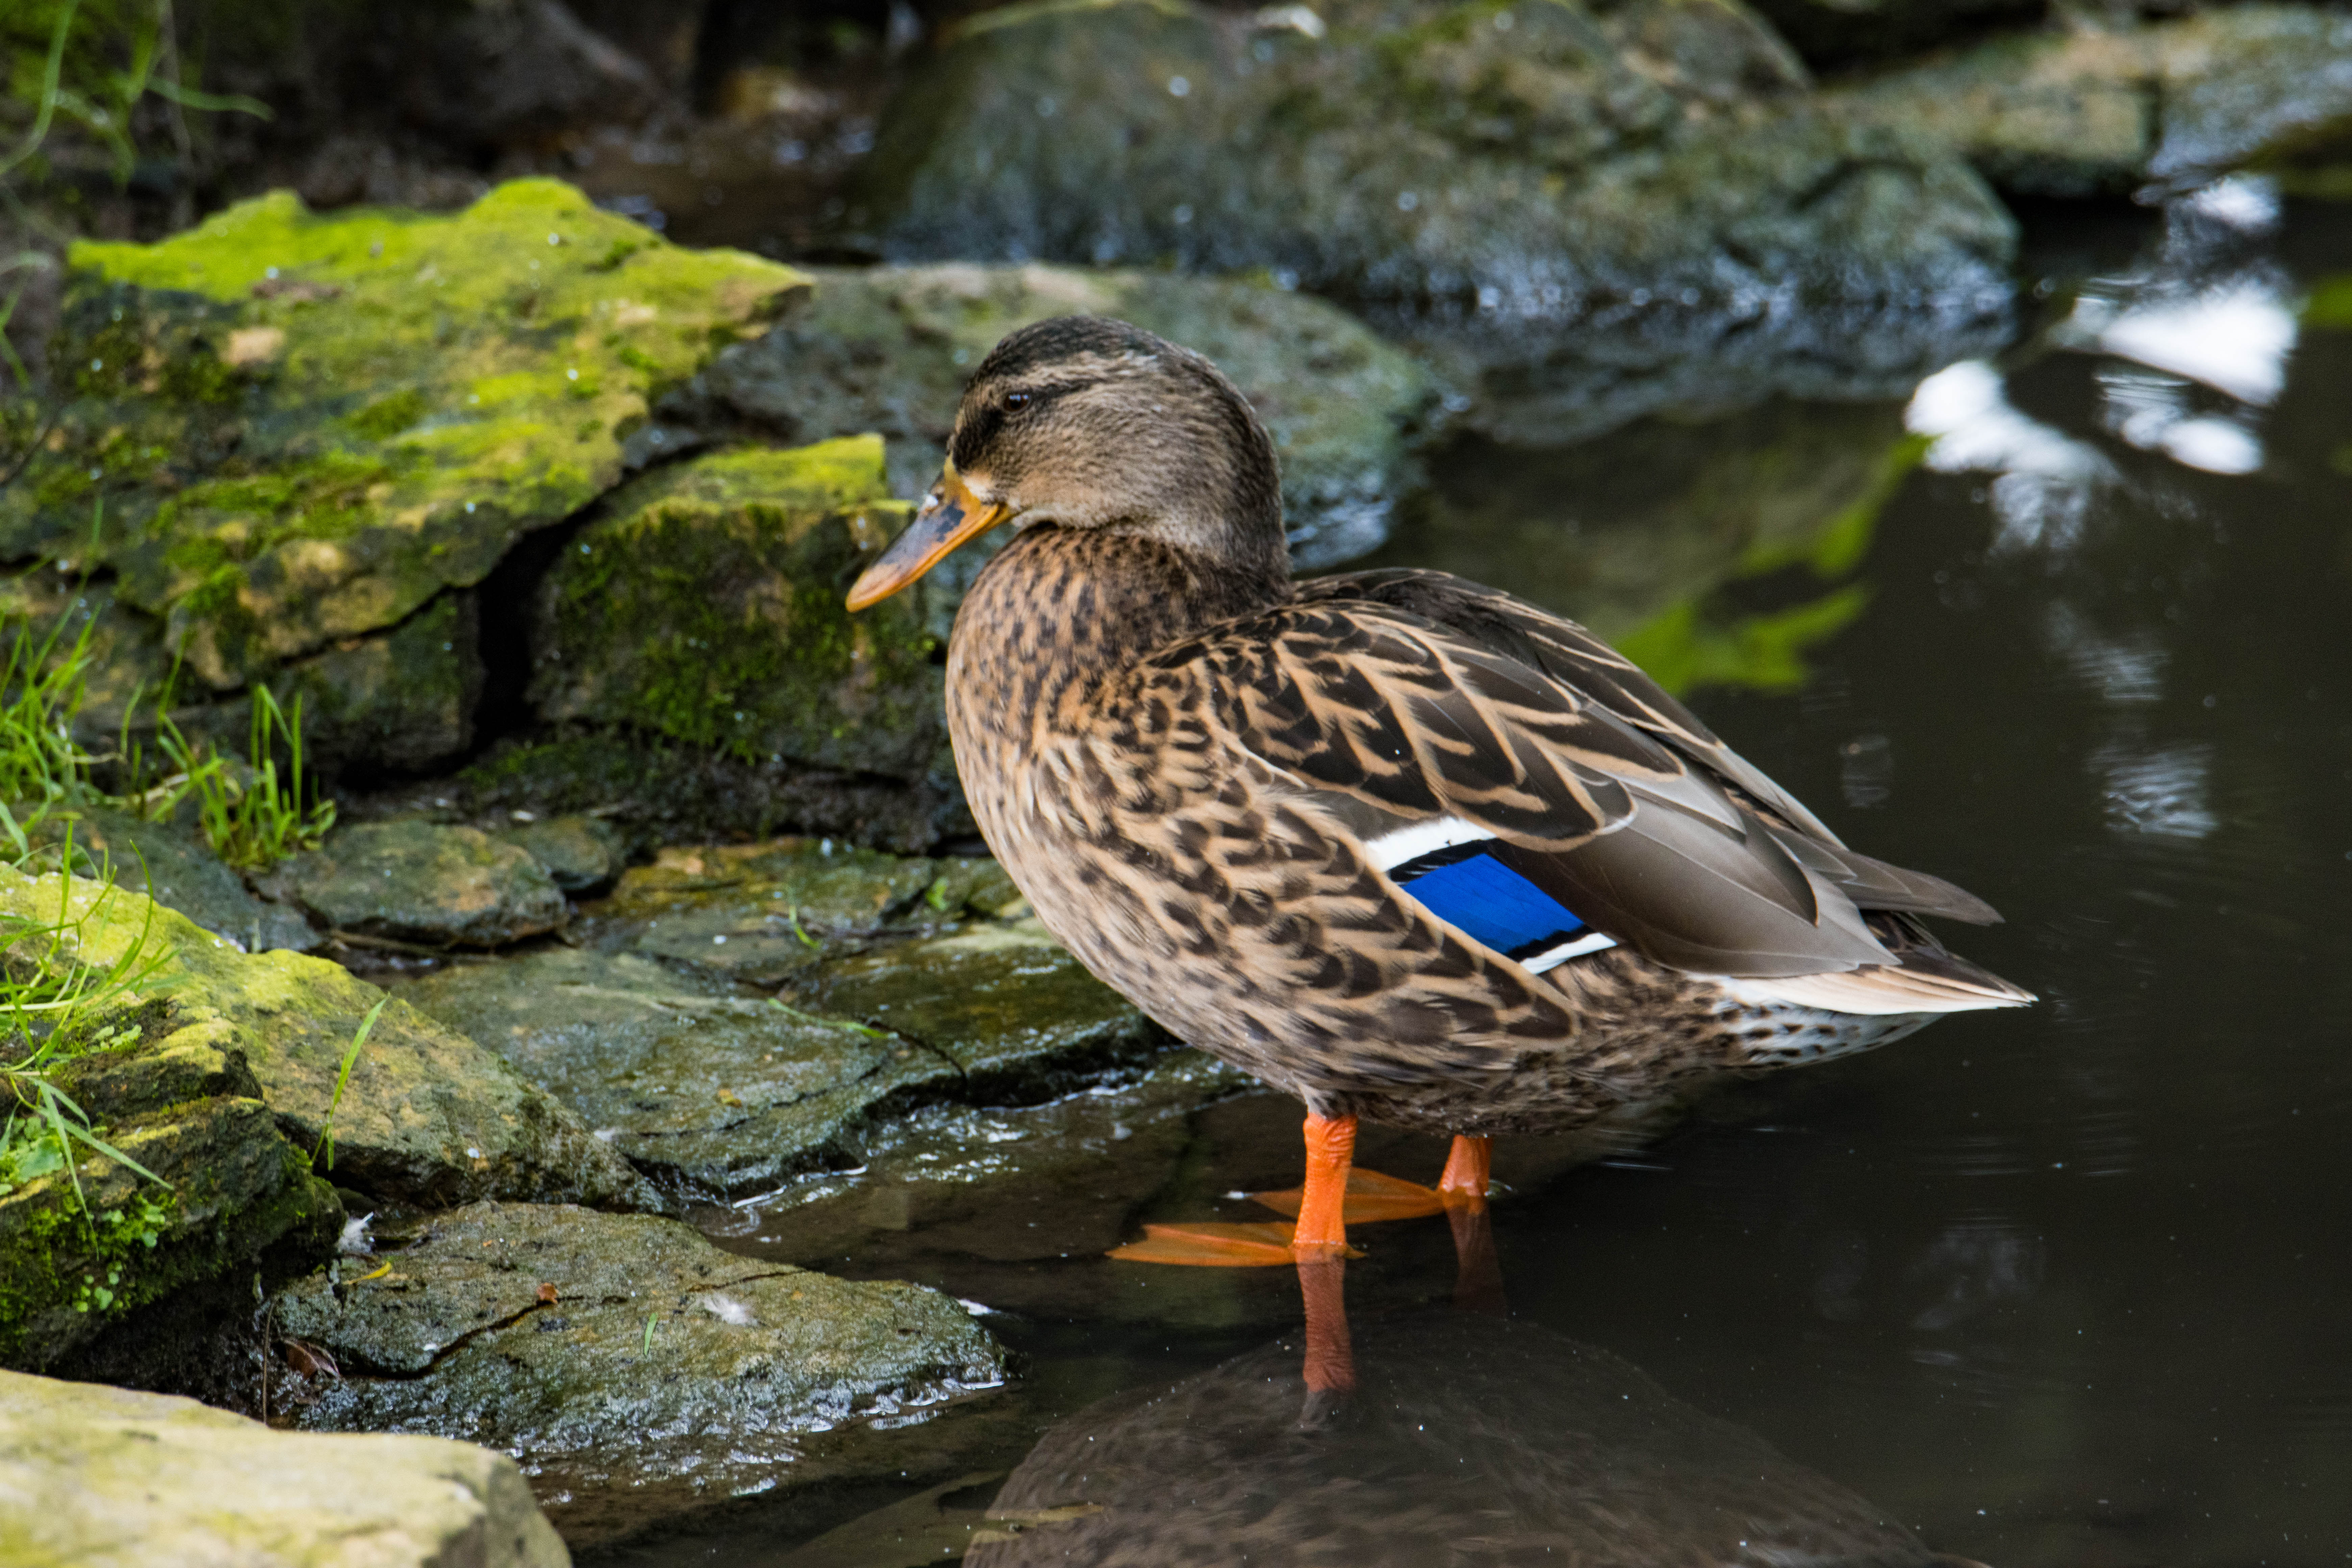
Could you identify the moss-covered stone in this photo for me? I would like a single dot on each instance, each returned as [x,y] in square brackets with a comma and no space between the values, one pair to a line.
[627,1353]
[173,866]
[705,604]
[714,1094]
[582,854]
[2157,108]
[1533,166]
[74,1260]
[105,1477]
[888,349]
[303,428]
[423,882]
[427,1116]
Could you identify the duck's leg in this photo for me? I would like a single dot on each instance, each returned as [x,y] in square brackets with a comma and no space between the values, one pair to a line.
[1319,1236]
[1373,1197]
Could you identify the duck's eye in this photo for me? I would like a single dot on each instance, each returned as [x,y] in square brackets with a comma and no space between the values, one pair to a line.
[1016,400]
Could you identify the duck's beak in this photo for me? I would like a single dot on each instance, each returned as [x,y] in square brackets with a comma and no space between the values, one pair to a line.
[951,515]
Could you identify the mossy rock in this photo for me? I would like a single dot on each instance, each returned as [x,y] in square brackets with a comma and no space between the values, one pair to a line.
[1531,168]
[2155,109]
[173,864]
[888,349]
[76,1259]
[297,429]
[426,1117]
[625,1353]
[704,604]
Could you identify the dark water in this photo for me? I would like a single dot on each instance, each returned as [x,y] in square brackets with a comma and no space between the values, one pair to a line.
[2067,1286]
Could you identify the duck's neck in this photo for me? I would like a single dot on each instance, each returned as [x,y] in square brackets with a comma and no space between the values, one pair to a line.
[1062,610]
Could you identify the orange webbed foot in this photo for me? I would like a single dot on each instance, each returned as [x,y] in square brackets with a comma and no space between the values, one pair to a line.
[1215,1245]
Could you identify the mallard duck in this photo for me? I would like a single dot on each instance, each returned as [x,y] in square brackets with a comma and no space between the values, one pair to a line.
[1396,843]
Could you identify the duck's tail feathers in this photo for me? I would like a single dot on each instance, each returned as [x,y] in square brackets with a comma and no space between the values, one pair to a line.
[1928,978]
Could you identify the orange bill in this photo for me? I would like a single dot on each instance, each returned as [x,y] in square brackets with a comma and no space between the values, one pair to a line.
[951,515]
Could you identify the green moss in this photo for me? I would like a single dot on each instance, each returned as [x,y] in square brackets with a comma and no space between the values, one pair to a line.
[707,607]
[306,425]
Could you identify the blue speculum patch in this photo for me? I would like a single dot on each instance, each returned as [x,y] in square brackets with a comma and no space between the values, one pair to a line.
[1486,899]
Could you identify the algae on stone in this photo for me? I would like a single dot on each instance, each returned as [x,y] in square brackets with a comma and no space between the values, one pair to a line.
[104,1478]
[888,350]
[626,1351]
[300,428]
[173,866]
[704,603]
[428,1117]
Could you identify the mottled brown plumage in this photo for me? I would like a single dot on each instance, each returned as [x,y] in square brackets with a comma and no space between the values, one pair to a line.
[1210,782]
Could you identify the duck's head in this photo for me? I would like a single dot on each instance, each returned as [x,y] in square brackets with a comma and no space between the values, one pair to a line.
[1085,423]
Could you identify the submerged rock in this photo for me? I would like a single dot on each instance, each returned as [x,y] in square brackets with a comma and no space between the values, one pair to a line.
[888,349]
[426,1115]
[1530,171]
[625,1353]
[2156,109]
[306,429]
[103,1478]
[418,881]
[704,603]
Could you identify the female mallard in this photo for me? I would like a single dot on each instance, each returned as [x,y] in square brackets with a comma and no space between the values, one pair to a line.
[1398,844]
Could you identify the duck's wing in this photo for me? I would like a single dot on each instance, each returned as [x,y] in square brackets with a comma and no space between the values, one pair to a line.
[1476,745]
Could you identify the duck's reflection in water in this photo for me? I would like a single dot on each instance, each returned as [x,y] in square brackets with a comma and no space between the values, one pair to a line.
[1446,1438]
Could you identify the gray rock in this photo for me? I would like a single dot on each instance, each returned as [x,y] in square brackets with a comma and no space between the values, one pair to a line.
[419,881]
[625,1353]
[520,73]
[888,349]
[581,855]
[716,1096]
[2156,109]
[1531,171]
[102,1478]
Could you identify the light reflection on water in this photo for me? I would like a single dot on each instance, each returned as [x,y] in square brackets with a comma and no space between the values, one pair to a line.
[2064,1287]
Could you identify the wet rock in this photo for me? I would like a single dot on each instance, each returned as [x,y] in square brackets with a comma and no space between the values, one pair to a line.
[426,1116]
[1531,171]
[2158,108]
[418,881]
[581,855]
[625,1354]
[888,349]
[109,1478]
[1018,1016]
[757,912]
[402,699]
[81,1250]
[714,1094]
[173,864]
[306,429]
[705,604]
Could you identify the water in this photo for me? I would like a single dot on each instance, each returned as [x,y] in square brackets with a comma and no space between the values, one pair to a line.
[2065,1286]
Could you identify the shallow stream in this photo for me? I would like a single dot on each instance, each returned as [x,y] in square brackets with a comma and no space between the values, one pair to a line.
[2063,1285]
